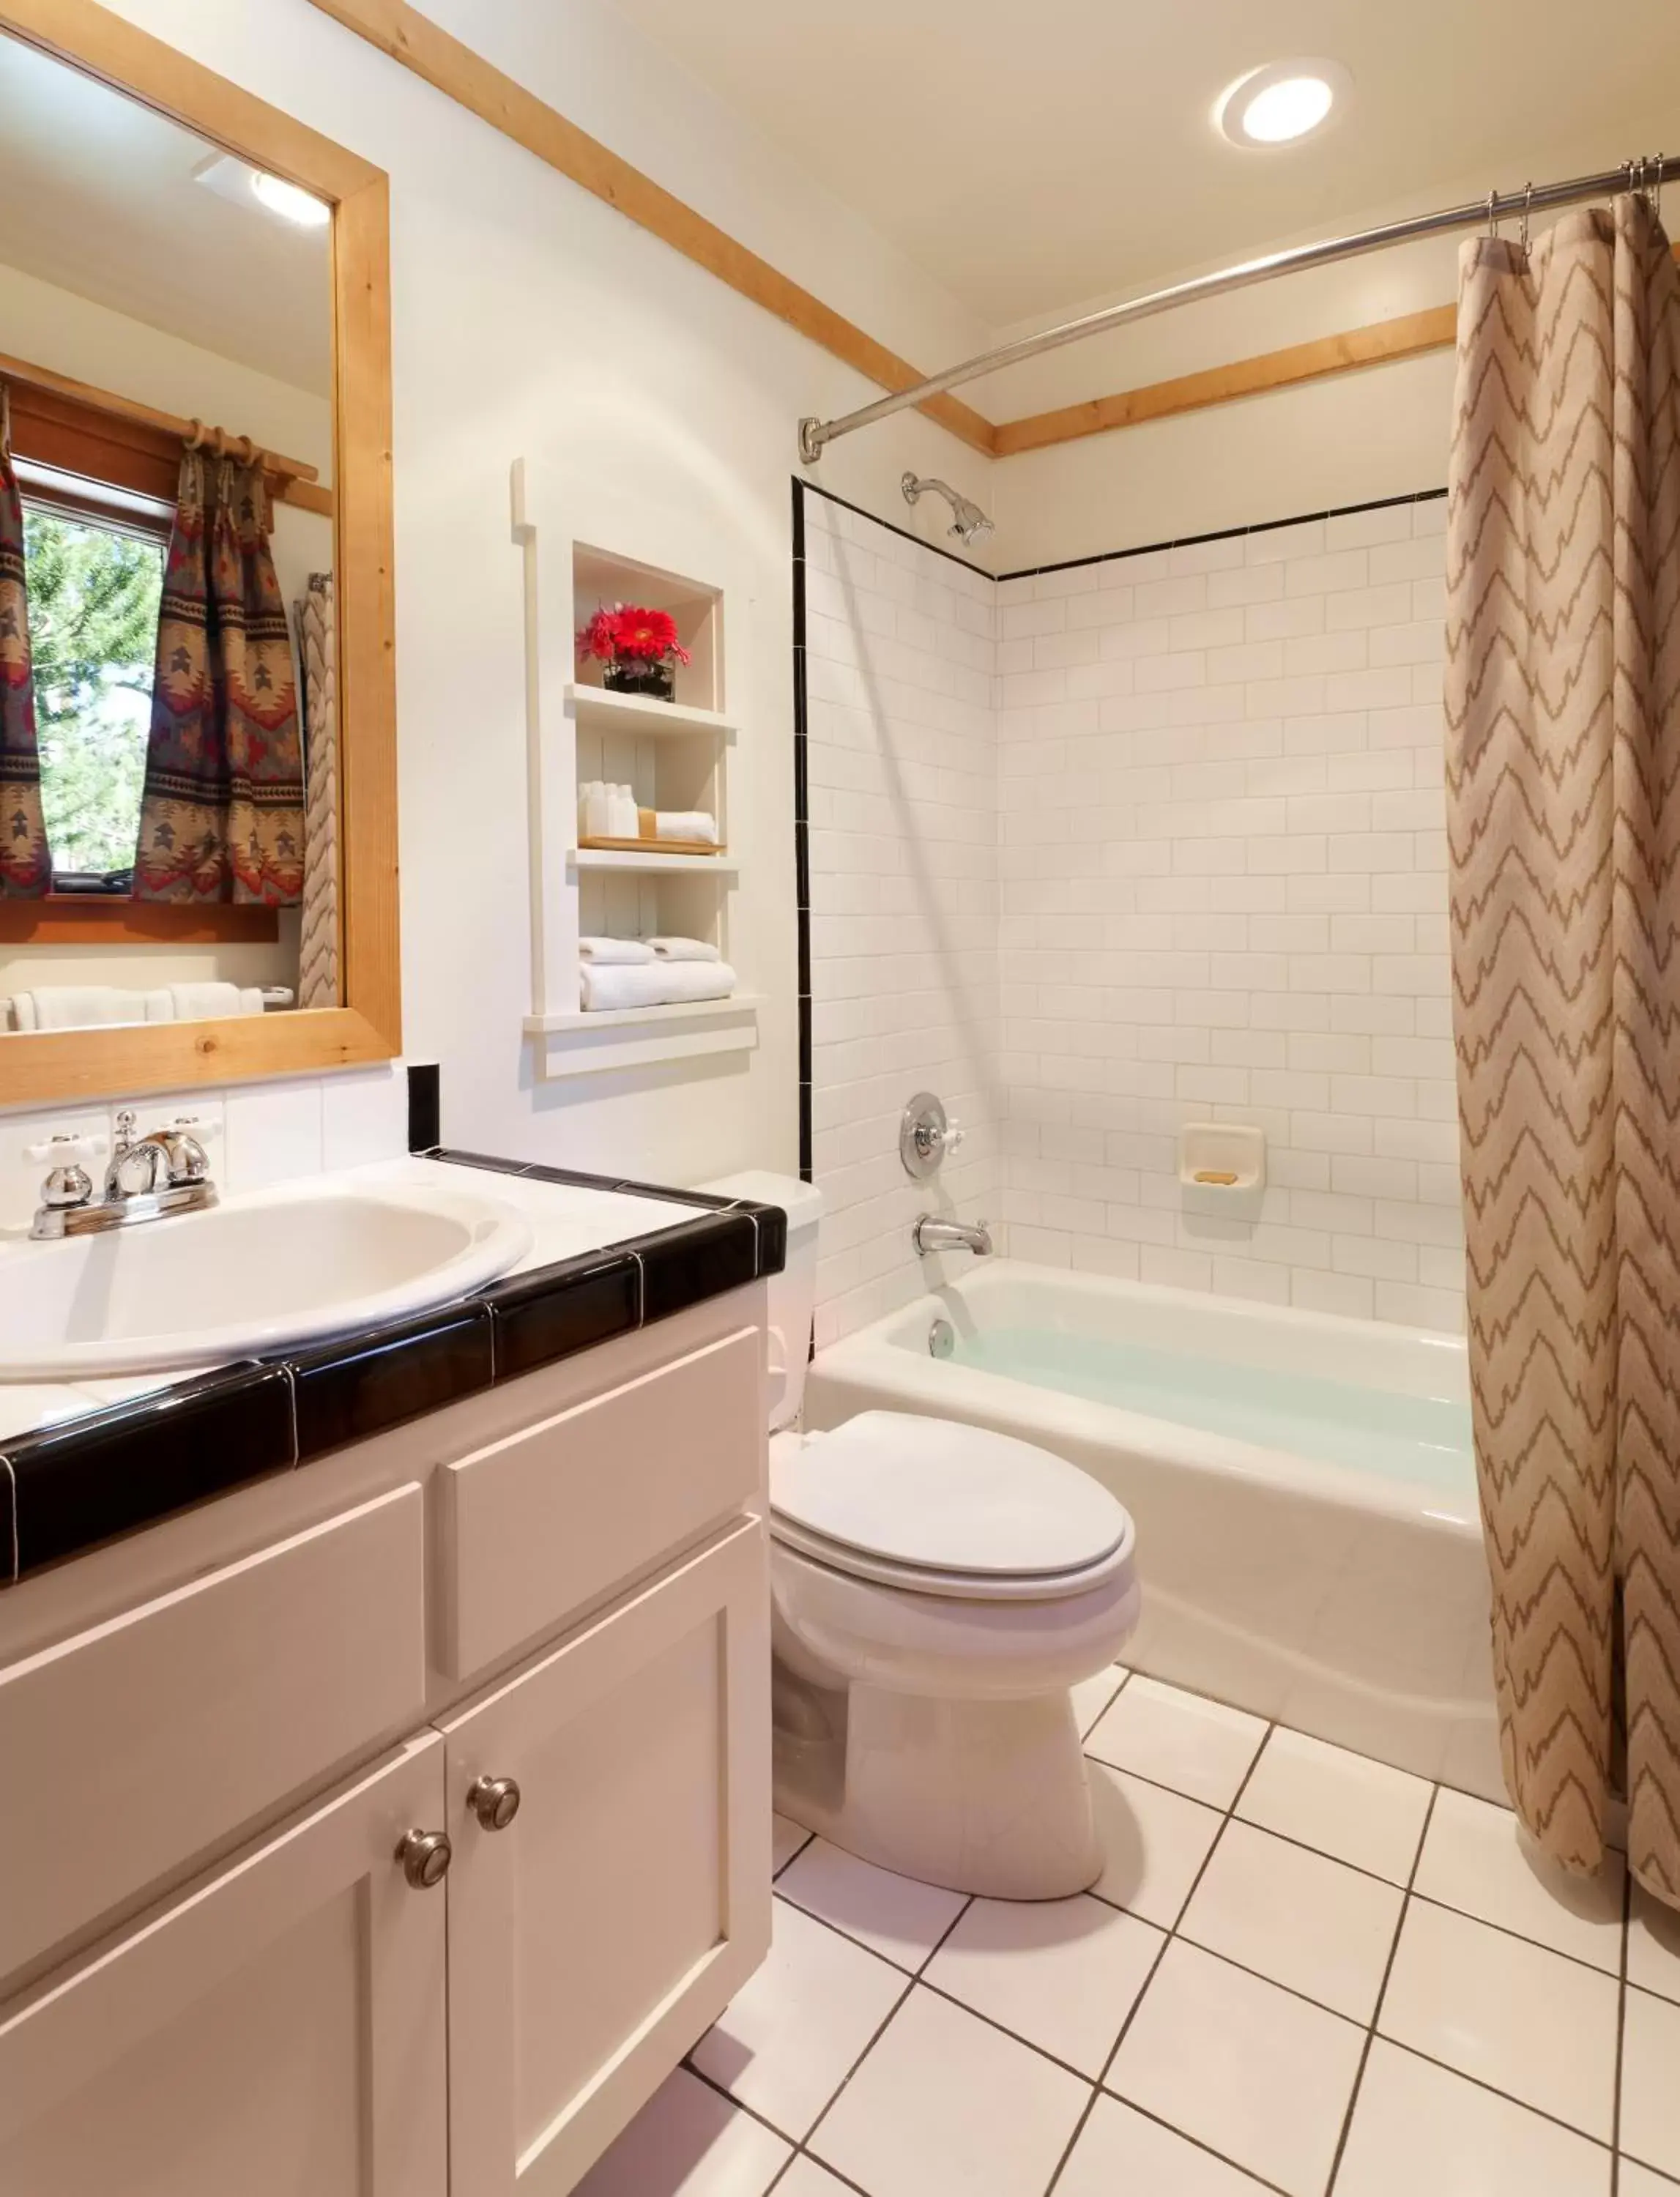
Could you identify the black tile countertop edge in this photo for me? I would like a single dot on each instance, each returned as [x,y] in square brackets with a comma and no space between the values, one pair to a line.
[64,1488]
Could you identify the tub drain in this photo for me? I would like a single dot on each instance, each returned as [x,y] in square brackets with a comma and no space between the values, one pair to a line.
[941,1339]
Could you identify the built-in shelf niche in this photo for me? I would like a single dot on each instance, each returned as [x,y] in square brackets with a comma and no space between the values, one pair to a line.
[676,755]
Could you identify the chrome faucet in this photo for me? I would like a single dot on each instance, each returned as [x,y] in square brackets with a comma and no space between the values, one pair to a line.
[932,1234]
[165,1171]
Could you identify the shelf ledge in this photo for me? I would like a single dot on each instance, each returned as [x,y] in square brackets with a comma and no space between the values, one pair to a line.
[694,865]
[599,709]
[584,1044]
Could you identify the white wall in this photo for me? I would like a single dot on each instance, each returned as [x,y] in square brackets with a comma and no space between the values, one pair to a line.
[902,747]
[530,319]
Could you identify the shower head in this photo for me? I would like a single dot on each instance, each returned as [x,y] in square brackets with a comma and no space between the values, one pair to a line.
[968,522]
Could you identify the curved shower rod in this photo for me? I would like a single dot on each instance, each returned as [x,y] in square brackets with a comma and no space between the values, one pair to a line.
[1644,174]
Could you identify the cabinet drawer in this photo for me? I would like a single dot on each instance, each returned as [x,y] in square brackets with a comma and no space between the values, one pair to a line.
[555,1516]
[131,1748]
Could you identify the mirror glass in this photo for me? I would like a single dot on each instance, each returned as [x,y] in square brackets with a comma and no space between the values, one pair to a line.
[168,717]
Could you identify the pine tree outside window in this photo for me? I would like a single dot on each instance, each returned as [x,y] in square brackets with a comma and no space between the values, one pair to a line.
[94,594]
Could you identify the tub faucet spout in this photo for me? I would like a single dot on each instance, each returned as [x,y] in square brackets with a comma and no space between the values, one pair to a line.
[934,1235]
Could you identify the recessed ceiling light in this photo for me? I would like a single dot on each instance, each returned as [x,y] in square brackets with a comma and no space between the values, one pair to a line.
[288,201]
[1281,103]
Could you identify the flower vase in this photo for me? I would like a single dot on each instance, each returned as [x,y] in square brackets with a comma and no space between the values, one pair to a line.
[656,682]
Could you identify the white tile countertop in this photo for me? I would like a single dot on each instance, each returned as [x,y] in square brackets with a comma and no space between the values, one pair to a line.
[566,1219]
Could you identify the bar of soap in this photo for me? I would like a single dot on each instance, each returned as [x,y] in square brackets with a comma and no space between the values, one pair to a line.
[1214,1175]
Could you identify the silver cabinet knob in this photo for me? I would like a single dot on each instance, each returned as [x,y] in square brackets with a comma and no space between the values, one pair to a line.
[426,1857]
[494,1801]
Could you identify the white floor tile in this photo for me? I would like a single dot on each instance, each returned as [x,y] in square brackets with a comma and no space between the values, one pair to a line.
[1092,1695]
[1477,1859]
[1636,2180]
[1345,1805]
[945,2106]
[1252,2071]
[1650,2128]
[1300,1918]
[1063,1973]
[1121,2151]
[1417,2128]
[792,2035]
[1654,1946]
[1507,2013]
[805,2178]
[894,1917]
[786,1838]
[687,2142]
[1153,1844]
[1197,1746]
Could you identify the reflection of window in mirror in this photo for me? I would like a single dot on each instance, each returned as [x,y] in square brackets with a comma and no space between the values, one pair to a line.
[164,296]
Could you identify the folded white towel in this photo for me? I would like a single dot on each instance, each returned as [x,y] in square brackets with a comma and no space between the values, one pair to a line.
[211,1002]
[684,949]
[656,984]
[686,824]
[615,952]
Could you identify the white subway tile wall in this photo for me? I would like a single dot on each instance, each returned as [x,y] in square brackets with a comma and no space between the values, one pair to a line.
[1181,857]
[1224,897]
[902,761]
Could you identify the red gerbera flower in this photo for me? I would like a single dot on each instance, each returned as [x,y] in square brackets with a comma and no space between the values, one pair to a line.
[629,633]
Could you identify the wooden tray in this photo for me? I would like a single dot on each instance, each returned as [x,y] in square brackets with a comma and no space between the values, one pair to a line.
[652,847]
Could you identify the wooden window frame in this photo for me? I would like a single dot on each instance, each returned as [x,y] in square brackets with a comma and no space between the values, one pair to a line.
[44,1067]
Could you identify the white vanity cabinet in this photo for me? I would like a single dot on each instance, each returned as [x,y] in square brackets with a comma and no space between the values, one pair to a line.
[322,2004]
[278,2028]
[596,1934]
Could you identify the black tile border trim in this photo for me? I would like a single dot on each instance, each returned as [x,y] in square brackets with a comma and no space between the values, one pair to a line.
[67,1487]
[902,532]
[1223,534]
[801,822]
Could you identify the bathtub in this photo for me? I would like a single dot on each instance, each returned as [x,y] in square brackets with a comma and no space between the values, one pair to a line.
[1302,1486]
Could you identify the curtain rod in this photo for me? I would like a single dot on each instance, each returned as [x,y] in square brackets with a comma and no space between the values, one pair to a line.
[1534,198]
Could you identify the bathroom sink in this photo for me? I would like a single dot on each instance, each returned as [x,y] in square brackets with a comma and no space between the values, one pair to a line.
[257,1273]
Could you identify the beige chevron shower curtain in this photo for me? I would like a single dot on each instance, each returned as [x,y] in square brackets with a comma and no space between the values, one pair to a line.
[1563,776]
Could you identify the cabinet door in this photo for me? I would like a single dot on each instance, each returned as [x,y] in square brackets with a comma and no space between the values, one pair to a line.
[595,1937]
[276,2031]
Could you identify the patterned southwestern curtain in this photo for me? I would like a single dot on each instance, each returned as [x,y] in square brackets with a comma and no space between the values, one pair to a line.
[222,816]
[1563,775]
[318,941]
[26,860]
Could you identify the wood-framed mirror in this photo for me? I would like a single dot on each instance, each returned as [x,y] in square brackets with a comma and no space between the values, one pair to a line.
[270,947]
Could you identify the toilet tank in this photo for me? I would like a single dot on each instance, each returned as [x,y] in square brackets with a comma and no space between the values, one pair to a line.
[793,1292]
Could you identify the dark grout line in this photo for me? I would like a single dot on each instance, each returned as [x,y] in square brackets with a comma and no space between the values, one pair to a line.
[1382,1991]
[1621,2039]
[777,1873]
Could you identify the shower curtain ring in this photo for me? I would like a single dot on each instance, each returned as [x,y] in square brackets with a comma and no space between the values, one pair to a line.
[1528,206]
[1493,214]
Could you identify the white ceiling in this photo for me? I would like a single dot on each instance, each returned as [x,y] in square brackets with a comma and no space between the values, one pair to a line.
[100,200]
[1030,159]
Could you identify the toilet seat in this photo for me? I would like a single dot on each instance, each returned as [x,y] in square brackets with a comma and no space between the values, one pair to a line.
[934,1508]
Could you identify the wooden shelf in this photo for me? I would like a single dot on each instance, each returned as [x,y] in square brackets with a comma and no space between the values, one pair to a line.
[692,866]
[599,709]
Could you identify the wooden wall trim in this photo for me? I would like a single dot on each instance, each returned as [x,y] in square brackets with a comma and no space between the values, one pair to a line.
[431,53]
[1378,344]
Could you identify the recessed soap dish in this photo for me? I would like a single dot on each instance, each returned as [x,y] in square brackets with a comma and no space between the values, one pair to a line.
[1222,1156]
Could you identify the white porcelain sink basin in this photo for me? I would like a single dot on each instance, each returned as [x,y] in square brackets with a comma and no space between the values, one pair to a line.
[258,1273]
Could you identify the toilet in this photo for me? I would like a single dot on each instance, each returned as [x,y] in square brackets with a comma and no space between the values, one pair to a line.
[937,1589]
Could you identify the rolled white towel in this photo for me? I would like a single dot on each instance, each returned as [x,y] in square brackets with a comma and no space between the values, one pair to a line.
[617,953]
[684,949]
[655,984]
[686,824]
[212,1001]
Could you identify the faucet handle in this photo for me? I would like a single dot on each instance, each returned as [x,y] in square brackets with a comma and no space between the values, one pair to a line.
[954,1135]
[69,1149]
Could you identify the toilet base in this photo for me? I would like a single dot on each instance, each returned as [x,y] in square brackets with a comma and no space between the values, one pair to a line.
[990,1797]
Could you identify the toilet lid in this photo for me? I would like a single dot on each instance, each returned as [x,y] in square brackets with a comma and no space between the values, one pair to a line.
[937,1496]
